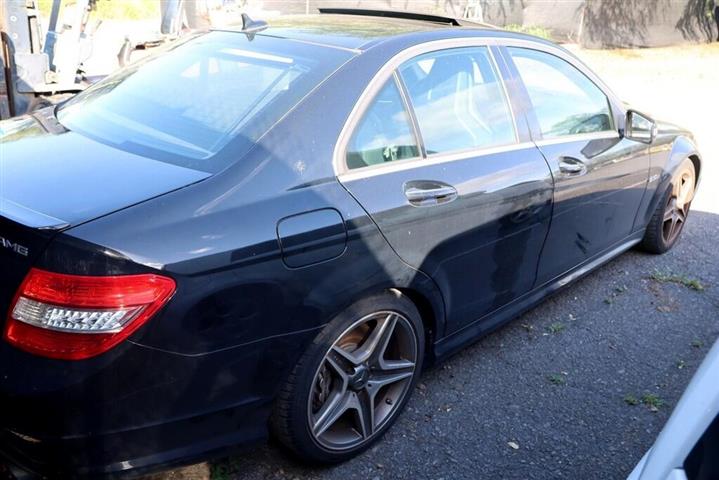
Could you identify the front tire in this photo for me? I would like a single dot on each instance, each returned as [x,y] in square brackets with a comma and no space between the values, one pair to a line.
[351,384]
[671,213]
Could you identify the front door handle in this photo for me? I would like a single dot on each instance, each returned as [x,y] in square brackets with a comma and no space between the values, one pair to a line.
[572,166]
[421,193]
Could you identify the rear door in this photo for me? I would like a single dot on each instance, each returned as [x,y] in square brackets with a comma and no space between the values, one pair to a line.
[436,158]
[600,177]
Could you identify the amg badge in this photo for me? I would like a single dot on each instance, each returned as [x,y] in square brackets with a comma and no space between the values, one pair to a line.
[15,247]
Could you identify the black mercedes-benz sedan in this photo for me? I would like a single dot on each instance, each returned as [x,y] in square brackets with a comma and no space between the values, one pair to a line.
[272,230]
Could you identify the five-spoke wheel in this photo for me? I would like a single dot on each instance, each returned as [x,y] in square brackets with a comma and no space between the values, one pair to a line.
[677,207]
[353,381]
[670,215]
[363,378]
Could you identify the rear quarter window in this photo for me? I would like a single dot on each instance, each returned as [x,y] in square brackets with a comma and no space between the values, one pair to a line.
[385,132]
[189,104]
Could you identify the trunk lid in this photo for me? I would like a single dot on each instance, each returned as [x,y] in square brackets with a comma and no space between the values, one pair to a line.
[54,181]
[49,182]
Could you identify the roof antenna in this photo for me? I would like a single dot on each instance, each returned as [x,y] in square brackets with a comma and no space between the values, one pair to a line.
[251,27]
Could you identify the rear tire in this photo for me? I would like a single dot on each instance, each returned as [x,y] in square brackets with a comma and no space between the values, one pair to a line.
[353,381]
[670,215]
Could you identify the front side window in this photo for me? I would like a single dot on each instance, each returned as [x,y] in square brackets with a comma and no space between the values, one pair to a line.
[565,101]
[458,100]
[384,134]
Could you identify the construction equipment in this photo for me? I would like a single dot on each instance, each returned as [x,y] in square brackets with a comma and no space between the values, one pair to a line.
[36,71]
[33,68]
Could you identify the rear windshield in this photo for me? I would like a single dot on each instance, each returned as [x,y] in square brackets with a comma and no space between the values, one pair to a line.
[207,93]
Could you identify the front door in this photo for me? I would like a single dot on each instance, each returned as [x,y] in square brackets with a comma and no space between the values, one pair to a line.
[437,162]
[600,177]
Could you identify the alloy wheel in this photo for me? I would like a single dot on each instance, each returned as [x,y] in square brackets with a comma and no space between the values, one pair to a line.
[677,208]
[362,380]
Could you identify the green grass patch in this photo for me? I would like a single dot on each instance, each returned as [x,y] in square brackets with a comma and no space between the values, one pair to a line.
[114,9]
[667,277]
[535,30]
[225,469]
[652,401]
[556,327]
[617,291]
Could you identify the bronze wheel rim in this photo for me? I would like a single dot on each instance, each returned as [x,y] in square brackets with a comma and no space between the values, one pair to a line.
[362,381]
[677,207]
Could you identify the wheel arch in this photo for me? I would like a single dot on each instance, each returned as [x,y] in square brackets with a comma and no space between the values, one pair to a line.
[432,318]
[682,147]
[696,160]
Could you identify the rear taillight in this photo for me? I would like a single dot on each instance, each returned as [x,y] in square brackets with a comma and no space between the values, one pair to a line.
[73,317]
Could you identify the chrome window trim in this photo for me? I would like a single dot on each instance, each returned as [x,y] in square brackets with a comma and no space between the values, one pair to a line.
[434,159]
[578,137]
[409,113]
[508,101]
[388,69]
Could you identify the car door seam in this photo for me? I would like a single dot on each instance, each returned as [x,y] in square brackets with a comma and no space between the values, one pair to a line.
[387,242]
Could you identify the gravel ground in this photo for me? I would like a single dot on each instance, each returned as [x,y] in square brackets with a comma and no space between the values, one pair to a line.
[548,396]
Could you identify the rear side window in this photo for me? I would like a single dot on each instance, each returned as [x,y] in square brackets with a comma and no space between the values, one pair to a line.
[384,134]
[187,105]
[565,101]
[458,100]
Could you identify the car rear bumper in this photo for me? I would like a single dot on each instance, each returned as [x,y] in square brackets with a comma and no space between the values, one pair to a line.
[137,409]
[138,451]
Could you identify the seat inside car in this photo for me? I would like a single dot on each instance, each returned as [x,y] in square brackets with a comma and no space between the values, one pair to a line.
[451,94]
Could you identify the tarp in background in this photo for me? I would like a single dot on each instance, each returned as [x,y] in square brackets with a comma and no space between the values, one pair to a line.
[592,23]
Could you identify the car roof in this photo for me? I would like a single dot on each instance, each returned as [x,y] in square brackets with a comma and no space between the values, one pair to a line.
[357,32]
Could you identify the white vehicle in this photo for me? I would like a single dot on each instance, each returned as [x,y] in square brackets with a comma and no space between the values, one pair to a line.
[687,448]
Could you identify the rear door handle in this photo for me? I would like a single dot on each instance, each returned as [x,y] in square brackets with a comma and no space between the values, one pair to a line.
[421,193]
[572,166]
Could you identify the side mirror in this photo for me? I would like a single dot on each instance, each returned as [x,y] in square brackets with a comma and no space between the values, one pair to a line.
[639,127]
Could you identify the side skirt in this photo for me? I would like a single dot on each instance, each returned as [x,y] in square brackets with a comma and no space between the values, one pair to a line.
[486,324]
